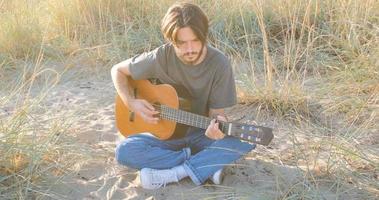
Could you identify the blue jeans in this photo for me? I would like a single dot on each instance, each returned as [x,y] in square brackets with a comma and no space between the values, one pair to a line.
[200,155]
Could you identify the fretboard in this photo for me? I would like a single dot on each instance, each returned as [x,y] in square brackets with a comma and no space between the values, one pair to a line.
[187,118]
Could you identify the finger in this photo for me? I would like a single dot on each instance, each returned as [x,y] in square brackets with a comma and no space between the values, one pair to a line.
[151,113]
[213,121]
[151,120]
[221,134]
[210,132]
[147,111]
[221,118]
[215,126]
[148,105]
[148,118]
[207,133]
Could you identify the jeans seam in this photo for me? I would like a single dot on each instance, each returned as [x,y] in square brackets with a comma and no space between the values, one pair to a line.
[187,152]
[193,174]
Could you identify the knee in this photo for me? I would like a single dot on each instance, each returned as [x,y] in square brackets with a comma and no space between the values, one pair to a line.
[126,153]
[121,153]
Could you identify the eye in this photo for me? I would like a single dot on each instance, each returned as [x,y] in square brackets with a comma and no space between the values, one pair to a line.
[179,43]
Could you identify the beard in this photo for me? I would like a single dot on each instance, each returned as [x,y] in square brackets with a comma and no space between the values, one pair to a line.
[192,54]
[190,58]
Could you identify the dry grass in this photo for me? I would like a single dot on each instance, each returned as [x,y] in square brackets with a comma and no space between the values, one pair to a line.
[312,62]
[36,146]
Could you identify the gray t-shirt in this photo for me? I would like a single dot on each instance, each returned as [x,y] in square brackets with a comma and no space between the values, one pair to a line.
[210,84]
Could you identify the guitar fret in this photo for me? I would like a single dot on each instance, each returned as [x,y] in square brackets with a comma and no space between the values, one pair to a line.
[180,116]
[191,119]
[171,114]
[202,122]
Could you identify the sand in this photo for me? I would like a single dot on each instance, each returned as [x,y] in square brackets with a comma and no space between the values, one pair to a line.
[87,98]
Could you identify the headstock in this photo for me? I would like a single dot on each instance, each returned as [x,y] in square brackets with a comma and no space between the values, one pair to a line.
[256,134]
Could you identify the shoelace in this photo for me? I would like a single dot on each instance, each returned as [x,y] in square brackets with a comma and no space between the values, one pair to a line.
[159,179]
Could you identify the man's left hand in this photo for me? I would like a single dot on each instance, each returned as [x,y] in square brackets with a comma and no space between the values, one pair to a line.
[213,132]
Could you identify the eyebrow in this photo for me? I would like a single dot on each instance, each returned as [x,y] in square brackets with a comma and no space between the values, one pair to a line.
[189,40]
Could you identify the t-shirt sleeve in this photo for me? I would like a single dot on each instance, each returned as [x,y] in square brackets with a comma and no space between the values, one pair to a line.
[223,91]
[145,65]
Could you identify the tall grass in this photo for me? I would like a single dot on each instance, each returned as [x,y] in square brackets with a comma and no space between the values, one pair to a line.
[307,61]
[35,146]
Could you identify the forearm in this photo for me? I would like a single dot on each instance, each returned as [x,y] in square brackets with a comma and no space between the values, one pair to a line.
[120,81]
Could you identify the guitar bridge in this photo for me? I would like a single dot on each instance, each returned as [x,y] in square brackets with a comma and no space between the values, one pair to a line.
[131,116]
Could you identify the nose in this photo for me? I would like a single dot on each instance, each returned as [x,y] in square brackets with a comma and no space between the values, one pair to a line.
[189,47]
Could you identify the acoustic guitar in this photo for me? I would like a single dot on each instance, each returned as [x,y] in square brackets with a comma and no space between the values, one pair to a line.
[165,100]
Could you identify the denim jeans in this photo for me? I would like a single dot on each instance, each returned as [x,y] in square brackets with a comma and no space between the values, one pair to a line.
[200,155]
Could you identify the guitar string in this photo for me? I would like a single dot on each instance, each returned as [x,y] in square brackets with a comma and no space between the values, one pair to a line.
[183,117]
[187,118]
[180,117]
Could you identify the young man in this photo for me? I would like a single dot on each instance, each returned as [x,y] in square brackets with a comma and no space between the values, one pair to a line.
[189,61]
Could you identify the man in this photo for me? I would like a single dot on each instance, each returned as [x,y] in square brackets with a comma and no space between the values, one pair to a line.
[189,61]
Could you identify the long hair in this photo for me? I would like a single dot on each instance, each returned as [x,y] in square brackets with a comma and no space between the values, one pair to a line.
[182,15]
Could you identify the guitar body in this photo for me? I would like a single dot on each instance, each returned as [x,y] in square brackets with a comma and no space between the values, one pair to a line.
[129,123]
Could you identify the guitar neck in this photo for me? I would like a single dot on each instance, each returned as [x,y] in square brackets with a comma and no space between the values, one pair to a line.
[257,134]
[187,118]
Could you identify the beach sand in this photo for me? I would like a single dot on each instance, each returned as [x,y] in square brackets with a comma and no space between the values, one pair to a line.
[86,100]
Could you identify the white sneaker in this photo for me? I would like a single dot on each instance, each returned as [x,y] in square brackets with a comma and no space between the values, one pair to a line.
[153,178]
[216,178]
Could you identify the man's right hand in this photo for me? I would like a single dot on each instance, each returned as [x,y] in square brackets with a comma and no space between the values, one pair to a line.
[144,109]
